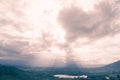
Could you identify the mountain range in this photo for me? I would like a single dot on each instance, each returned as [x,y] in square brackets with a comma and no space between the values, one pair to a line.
[16,73]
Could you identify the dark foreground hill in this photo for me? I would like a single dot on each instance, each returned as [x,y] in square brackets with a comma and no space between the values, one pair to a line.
[12,73]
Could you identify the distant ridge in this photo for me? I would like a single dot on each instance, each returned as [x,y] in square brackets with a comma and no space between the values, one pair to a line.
[113,67]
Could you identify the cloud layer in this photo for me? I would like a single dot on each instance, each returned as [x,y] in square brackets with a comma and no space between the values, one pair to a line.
[56,33]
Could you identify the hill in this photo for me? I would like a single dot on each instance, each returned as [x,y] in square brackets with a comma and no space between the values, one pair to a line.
[113,67]
[12,73]
[28,73]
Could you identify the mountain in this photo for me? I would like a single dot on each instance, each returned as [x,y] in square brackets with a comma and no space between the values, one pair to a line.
[72,68]
[113,67]
[112,71]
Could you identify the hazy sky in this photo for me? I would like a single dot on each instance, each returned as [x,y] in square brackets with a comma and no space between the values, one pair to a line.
[58,32]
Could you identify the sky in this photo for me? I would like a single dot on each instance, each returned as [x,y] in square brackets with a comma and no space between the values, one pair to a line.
[54,33]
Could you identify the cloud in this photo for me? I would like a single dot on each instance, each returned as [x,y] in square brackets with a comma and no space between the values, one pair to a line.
[97,23]
[30,34]
[13,52]
[21,38]
[12,24]
[88,32]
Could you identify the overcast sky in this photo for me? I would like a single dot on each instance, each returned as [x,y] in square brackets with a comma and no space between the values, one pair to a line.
[58,32]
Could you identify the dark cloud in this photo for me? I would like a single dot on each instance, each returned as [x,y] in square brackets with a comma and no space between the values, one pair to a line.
[11,52]
[94,24]
[14,47]
[17,61]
